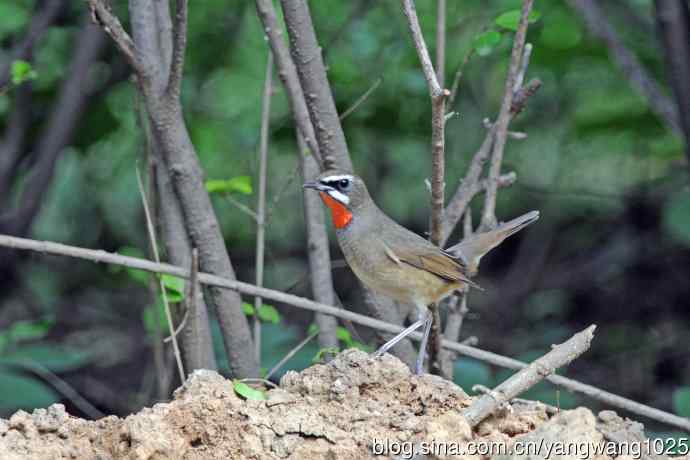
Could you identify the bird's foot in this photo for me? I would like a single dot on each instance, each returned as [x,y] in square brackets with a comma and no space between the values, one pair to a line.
[394,341]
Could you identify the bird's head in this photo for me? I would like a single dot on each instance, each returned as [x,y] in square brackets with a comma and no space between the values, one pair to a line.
[343,192]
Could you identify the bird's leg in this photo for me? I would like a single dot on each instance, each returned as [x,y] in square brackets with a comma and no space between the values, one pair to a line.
[392,342]
[428,320]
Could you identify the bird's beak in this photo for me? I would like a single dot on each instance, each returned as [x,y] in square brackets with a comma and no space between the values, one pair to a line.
[316,185]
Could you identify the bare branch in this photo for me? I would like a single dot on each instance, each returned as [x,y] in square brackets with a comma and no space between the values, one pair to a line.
[628,63]
[441,42]
[101,256]
[261,205]
[454,88]
[489,215]
[179,47]
[317,249]
[290,354]
[524,64]
[311,70]
[103,17]
[361,99]
[435,89]
[288,75]
[523,94]
[62,387]
[561,355]
[154,250]
[673,23]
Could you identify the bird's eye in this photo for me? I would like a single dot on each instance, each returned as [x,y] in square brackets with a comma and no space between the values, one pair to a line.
[344,184]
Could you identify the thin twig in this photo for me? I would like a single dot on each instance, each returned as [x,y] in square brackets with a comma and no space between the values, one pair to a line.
[524,64]
[441,42]
[62,387]
[522,381]
[311,70]
[290,354]
[628,63]
[101,256]
[156,257]
[261,205]
[179,328]
[361,99]
[102,16]
[242,207]
[489,212]
[260,380]
[455,87]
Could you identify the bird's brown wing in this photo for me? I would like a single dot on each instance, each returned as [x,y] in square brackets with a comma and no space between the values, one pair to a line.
[432,260]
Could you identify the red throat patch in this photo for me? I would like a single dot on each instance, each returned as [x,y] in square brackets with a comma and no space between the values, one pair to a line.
[340,214]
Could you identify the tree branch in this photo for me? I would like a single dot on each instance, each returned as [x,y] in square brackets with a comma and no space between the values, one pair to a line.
[308,60]
[170,132]
[179,47]
[317,248]
[489,212]
[261,205]
[628,63]
[154,250]
[101,256]
[520,382]
[288,75]
[441,42]
[673,23]
[103,17]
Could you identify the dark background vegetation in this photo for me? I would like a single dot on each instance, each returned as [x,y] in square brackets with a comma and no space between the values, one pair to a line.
[609,176]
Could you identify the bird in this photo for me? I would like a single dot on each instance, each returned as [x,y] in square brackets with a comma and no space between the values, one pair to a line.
[396,262]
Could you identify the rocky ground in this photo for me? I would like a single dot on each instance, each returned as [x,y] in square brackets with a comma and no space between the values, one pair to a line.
[352,408]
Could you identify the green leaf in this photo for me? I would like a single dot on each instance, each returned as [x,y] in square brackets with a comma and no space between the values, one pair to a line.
[239,184]
[269,314]
[174,287]
[676,217]
[248,392]
[510,19]
[23,392]
[325,351]
[22,71]
[681,401]
[248,309]
[485,42]
[344,336]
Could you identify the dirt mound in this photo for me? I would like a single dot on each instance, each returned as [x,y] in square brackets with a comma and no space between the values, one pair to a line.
[352,408]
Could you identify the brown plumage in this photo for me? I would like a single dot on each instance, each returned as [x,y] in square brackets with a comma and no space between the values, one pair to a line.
[394,261]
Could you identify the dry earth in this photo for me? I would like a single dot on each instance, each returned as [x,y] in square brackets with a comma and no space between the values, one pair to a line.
[342,410]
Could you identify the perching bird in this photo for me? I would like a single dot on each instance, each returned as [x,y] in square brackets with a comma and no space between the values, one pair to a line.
[396,262]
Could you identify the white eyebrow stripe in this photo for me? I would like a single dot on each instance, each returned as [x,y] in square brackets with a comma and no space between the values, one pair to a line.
[336,195]
[336,178]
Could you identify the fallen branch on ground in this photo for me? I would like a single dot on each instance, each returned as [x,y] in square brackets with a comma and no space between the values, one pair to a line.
[522,381]
[593,392]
